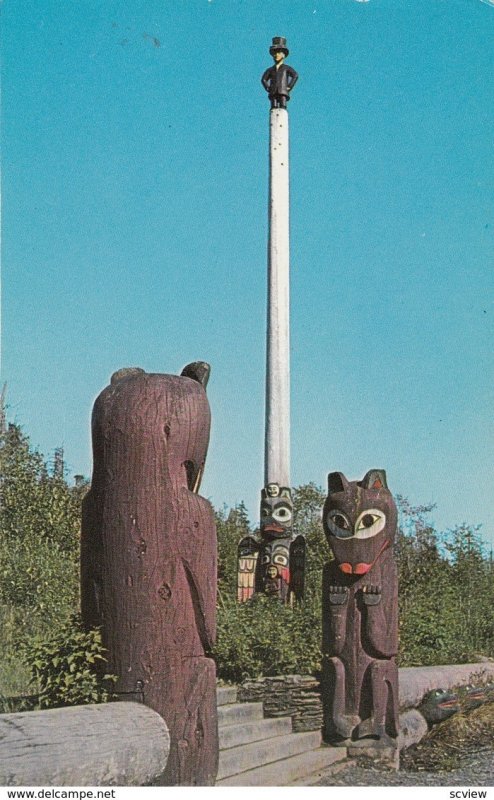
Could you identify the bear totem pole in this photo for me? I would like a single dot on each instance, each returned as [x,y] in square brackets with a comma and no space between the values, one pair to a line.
[360,615]
[148,560]
[273,565]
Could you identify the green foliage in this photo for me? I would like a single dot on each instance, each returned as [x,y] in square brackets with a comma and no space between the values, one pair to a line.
[446,592]
[66,667]
[39,550]
[231,526]
[35,504]
[263,637]
[308,501]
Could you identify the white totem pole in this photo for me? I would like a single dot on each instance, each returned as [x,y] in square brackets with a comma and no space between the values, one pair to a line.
[277,431]
[274,575]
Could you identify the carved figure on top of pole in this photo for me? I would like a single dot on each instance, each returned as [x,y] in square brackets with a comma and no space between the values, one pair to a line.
[360,614]
[279,79]
[148,557]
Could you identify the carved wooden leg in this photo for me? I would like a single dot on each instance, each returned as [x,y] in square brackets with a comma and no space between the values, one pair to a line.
[339,725]
[382,723]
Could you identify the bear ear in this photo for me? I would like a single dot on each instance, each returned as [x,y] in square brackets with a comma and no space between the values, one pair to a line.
[199,371]
[336,482]
[125,372]
[375,479]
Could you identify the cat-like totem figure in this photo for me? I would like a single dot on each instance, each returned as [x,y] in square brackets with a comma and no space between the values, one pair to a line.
[274,565]
[148,557]
[360,612]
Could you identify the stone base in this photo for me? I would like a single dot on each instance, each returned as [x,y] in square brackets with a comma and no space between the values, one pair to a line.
[296,696]
[372,753]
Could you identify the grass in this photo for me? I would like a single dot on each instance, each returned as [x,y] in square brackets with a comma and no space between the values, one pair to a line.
[453,741]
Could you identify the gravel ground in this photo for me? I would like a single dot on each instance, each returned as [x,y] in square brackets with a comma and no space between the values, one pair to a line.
[477,771]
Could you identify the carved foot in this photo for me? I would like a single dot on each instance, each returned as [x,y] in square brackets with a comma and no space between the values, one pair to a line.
[371,732]
[345,724]
[385,753]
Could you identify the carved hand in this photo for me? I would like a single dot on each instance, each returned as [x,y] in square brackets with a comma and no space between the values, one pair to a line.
[371,595]
[338,595]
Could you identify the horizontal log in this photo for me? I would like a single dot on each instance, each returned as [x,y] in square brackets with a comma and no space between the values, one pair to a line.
[113,744]
[414,682]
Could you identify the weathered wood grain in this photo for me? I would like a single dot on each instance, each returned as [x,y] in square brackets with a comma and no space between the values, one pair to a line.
[114,744]
[148,559]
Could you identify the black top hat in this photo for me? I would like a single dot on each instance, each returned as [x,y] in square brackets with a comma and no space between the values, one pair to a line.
[279,43]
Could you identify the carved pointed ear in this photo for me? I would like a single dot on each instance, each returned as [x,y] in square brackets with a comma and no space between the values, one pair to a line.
[375,479]
[336,482]
[199,371]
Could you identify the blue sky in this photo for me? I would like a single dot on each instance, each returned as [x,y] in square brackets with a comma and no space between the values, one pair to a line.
[134,187]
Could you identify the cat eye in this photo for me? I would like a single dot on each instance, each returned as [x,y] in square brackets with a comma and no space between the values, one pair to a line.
[370,523]
[367,521]
[338,525]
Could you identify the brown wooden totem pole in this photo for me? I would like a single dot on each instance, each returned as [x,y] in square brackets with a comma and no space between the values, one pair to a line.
[360,613]
[148,559]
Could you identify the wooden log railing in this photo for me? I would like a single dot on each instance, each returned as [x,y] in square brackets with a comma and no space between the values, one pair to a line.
[113,744]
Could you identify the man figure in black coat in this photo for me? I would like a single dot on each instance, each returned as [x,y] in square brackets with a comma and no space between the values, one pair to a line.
[280,79]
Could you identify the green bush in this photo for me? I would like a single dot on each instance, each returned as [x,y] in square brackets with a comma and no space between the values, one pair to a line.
[263,637]
[66,667]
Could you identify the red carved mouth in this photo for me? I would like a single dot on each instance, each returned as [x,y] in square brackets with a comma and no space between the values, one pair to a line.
[362,568]
[274,528]
[448,704]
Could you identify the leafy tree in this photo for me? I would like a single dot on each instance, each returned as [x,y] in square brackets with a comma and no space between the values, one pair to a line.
[39,545]
[231,526]
[308,501]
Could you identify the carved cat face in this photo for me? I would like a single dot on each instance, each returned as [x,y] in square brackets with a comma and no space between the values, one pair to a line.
[359,519]
[276,511]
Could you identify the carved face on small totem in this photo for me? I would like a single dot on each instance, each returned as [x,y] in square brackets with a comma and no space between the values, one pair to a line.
[276,512]
[359,520]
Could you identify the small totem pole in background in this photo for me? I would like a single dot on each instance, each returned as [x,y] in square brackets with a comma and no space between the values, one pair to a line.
[273,565]
[266,565]
[360,614]
[148,557]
